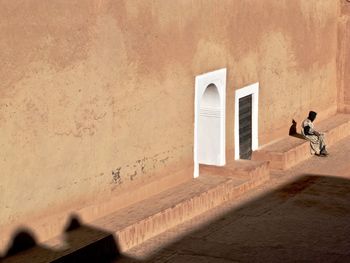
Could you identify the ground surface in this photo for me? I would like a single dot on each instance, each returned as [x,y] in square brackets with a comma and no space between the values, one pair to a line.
[301,215]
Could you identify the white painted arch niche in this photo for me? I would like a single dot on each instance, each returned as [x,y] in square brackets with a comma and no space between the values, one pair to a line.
[210,115]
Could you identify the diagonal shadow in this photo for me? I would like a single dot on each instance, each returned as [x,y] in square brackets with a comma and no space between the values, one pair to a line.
[84,243]
[307,220]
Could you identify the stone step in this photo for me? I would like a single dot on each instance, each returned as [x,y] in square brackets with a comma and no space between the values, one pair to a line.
[215,185]
[47,226]
[119,231]
[289,151]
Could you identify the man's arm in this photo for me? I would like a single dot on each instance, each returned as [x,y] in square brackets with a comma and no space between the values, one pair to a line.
[317,133]
[309,131]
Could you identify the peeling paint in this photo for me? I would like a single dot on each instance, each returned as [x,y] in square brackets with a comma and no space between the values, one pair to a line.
[143,166]
[116,176]
[132,176]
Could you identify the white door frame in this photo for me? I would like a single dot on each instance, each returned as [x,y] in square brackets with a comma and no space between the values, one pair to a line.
[218,78]
[253,90]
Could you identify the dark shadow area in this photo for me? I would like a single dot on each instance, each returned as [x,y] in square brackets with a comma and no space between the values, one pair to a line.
[23,240]
[293,128]
[307,220]
[84,244]
[293,131]
[73,224]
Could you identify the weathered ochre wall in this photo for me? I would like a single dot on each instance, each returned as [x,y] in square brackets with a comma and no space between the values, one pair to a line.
[344,57]
[97,96]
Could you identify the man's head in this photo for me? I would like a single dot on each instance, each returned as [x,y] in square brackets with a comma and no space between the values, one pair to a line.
[312,115]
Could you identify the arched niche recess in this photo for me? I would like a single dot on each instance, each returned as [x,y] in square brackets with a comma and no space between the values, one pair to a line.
[209,134]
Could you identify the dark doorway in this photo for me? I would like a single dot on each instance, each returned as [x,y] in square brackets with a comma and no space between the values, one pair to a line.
[245,127]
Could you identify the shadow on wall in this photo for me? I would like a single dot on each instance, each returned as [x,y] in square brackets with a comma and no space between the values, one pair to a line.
[84,244]
[306,220]
[293,131]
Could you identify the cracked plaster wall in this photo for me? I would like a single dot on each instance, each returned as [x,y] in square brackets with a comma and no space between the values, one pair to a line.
[96,94]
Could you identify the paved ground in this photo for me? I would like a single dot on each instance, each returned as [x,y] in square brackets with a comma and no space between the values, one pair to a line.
[302,215]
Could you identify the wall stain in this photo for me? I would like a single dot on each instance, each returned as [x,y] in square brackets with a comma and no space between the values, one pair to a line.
[88,126]
[116,176]
[164,160]
[142,166]
[133,175]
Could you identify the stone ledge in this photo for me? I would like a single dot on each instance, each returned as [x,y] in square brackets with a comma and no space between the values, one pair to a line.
[215,185]
[48,225]
[130,226]
[289,151]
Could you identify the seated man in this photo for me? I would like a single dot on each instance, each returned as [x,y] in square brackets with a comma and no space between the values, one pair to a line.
[317,142]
